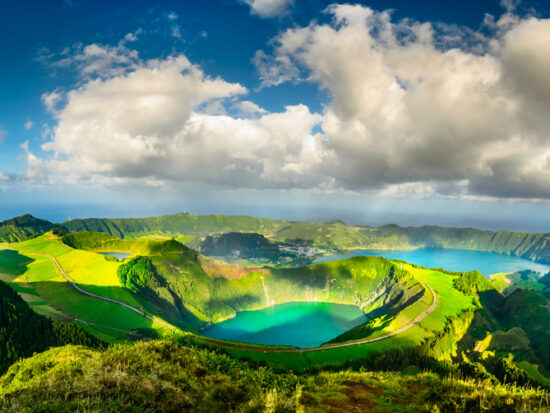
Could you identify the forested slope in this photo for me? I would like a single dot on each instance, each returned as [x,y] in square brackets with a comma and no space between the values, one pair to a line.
[23,332]
[23,227]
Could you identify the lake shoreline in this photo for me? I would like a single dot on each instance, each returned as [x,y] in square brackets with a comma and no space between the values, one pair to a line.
[485,262]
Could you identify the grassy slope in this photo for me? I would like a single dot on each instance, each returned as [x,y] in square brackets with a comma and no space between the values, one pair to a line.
[451,302]
[164,376]
[92,272]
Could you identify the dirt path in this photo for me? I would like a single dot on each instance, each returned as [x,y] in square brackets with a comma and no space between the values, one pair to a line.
[100,297]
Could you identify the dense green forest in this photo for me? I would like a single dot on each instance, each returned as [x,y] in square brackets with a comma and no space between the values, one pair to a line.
[242,245]
[23,332]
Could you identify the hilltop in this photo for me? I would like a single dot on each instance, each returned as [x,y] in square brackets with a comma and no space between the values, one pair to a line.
[23,227]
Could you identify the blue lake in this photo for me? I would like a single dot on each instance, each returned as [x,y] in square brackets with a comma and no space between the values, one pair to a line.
[117,255]
[300,324]
[451,259]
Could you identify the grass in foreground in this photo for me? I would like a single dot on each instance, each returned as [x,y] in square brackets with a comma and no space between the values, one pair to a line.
[164,376]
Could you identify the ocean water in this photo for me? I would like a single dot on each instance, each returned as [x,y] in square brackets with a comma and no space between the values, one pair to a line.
[300,324]
[451,259]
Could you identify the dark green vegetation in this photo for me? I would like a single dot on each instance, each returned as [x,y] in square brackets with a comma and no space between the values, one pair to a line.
[506,330]
[545,280]
[237,246]
[163,376]
[23,227]
[139,274]
[23,332]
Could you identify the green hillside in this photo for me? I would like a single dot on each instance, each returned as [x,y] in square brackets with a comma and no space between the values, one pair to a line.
[167,280]
[163,376]
[23,227]
[23,332]
[28,266]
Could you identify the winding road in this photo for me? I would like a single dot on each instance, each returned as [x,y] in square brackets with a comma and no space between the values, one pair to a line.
[204,339]
[101,297]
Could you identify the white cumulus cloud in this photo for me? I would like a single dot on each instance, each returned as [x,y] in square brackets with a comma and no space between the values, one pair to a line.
[405,109]
[248,108]
[269,8]
[159,124]
[416,109]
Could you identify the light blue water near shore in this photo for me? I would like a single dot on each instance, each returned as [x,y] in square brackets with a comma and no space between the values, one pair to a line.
[300,324]
[117,255]
[451,259]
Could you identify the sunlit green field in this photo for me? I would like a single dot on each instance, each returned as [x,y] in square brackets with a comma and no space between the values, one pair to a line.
[30,272]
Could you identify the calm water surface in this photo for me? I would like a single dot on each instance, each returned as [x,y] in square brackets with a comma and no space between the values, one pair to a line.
[301,324]
[117,255]
[452,260]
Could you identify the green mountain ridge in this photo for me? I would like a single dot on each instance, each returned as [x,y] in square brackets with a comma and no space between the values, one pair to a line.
[23,227]
[324,234]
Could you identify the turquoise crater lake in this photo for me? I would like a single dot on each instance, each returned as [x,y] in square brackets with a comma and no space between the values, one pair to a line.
[300,324]
[451,259]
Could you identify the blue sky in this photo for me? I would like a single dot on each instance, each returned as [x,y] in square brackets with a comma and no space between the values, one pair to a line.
[371,112]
